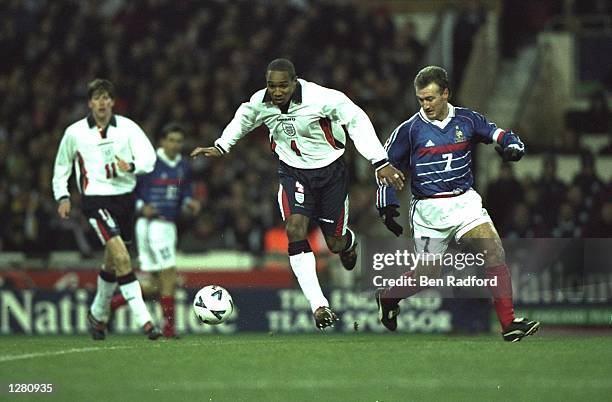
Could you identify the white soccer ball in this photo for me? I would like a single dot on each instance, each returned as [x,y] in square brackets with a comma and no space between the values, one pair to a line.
[213,305]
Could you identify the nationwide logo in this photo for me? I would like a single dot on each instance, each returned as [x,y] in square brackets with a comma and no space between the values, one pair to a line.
[430,143]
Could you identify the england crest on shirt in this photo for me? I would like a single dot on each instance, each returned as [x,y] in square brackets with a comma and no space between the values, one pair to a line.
[289,129]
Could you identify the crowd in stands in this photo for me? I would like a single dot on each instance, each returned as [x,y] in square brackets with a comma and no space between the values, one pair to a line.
[546,206]
[194,63]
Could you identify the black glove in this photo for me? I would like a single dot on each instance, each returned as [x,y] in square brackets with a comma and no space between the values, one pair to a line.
[388,213]
[512,152]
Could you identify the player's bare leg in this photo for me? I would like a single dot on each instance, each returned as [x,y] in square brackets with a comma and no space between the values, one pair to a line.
[129,286]
[345,246]
[100,307]
[167,287]
[485,237]
[303,264]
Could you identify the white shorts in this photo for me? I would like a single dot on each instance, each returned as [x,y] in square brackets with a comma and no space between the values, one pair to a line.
[436,221]
[156,241]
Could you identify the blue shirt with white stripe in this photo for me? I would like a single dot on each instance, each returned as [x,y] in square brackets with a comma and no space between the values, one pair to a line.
[167,187]
[439,153]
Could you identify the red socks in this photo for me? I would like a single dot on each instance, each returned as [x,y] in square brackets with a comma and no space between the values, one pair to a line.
[502,294]
[167,305]
[117,301]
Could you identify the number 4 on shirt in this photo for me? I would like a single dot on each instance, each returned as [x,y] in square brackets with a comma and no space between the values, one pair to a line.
[295,148]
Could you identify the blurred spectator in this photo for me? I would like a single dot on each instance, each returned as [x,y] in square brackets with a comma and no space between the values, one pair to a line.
[581,212]
[601,225]
[567,225]
[551,190]
[242,235]
[471,17]
[601,220]
[503,193]
[587,180]
[203,237]
[532,198]
[195,61]
[188,61]
[519,226]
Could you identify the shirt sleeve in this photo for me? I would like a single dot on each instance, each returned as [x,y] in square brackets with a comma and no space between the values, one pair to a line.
[186,186]
[62,168]
[488,132]
[142,151]
[245,120]
[341,109]
[398,147]
[142,183]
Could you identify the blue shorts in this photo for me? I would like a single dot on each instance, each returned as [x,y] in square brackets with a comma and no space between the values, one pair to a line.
[320,194]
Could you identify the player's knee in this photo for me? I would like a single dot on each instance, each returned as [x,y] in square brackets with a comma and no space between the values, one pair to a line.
[335,244]
[495,256]
[296,231]
[168,277]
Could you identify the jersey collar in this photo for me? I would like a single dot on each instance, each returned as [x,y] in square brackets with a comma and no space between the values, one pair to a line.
[296,97]
[439,123]
[172,163]
[92,122]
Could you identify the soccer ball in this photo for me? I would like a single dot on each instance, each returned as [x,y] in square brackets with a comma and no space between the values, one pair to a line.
[213,305]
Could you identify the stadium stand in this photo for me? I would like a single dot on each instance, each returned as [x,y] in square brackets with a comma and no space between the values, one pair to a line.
[195,62]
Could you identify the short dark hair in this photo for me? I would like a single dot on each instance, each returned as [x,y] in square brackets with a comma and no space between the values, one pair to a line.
[282,65]
[431,74]
[172,127]
[100,84]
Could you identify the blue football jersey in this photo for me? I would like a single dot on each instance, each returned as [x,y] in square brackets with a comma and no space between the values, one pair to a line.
[167,187]
[438,154]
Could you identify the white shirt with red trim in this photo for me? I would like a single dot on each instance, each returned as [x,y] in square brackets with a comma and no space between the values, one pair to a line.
[312,134]
[93,152]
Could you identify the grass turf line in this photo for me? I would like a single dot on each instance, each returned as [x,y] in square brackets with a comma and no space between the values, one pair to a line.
[361,367]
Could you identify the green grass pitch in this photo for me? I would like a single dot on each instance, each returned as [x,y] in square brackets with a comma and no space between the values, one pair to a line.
[317,367]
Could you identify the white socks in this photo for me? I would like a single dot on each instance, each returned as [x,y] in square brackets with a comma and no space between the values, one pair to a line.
[305,269]
[100,308]
[133,295]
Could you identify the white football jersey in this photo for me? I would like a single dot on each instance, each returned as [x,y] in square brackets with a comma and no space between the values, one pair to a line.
[93,154]
[312,134]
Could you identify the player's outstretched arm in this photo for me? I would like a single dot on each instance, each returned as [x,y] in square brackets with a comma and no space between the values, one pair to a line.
[390,176]
[388,214]
[205,151]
